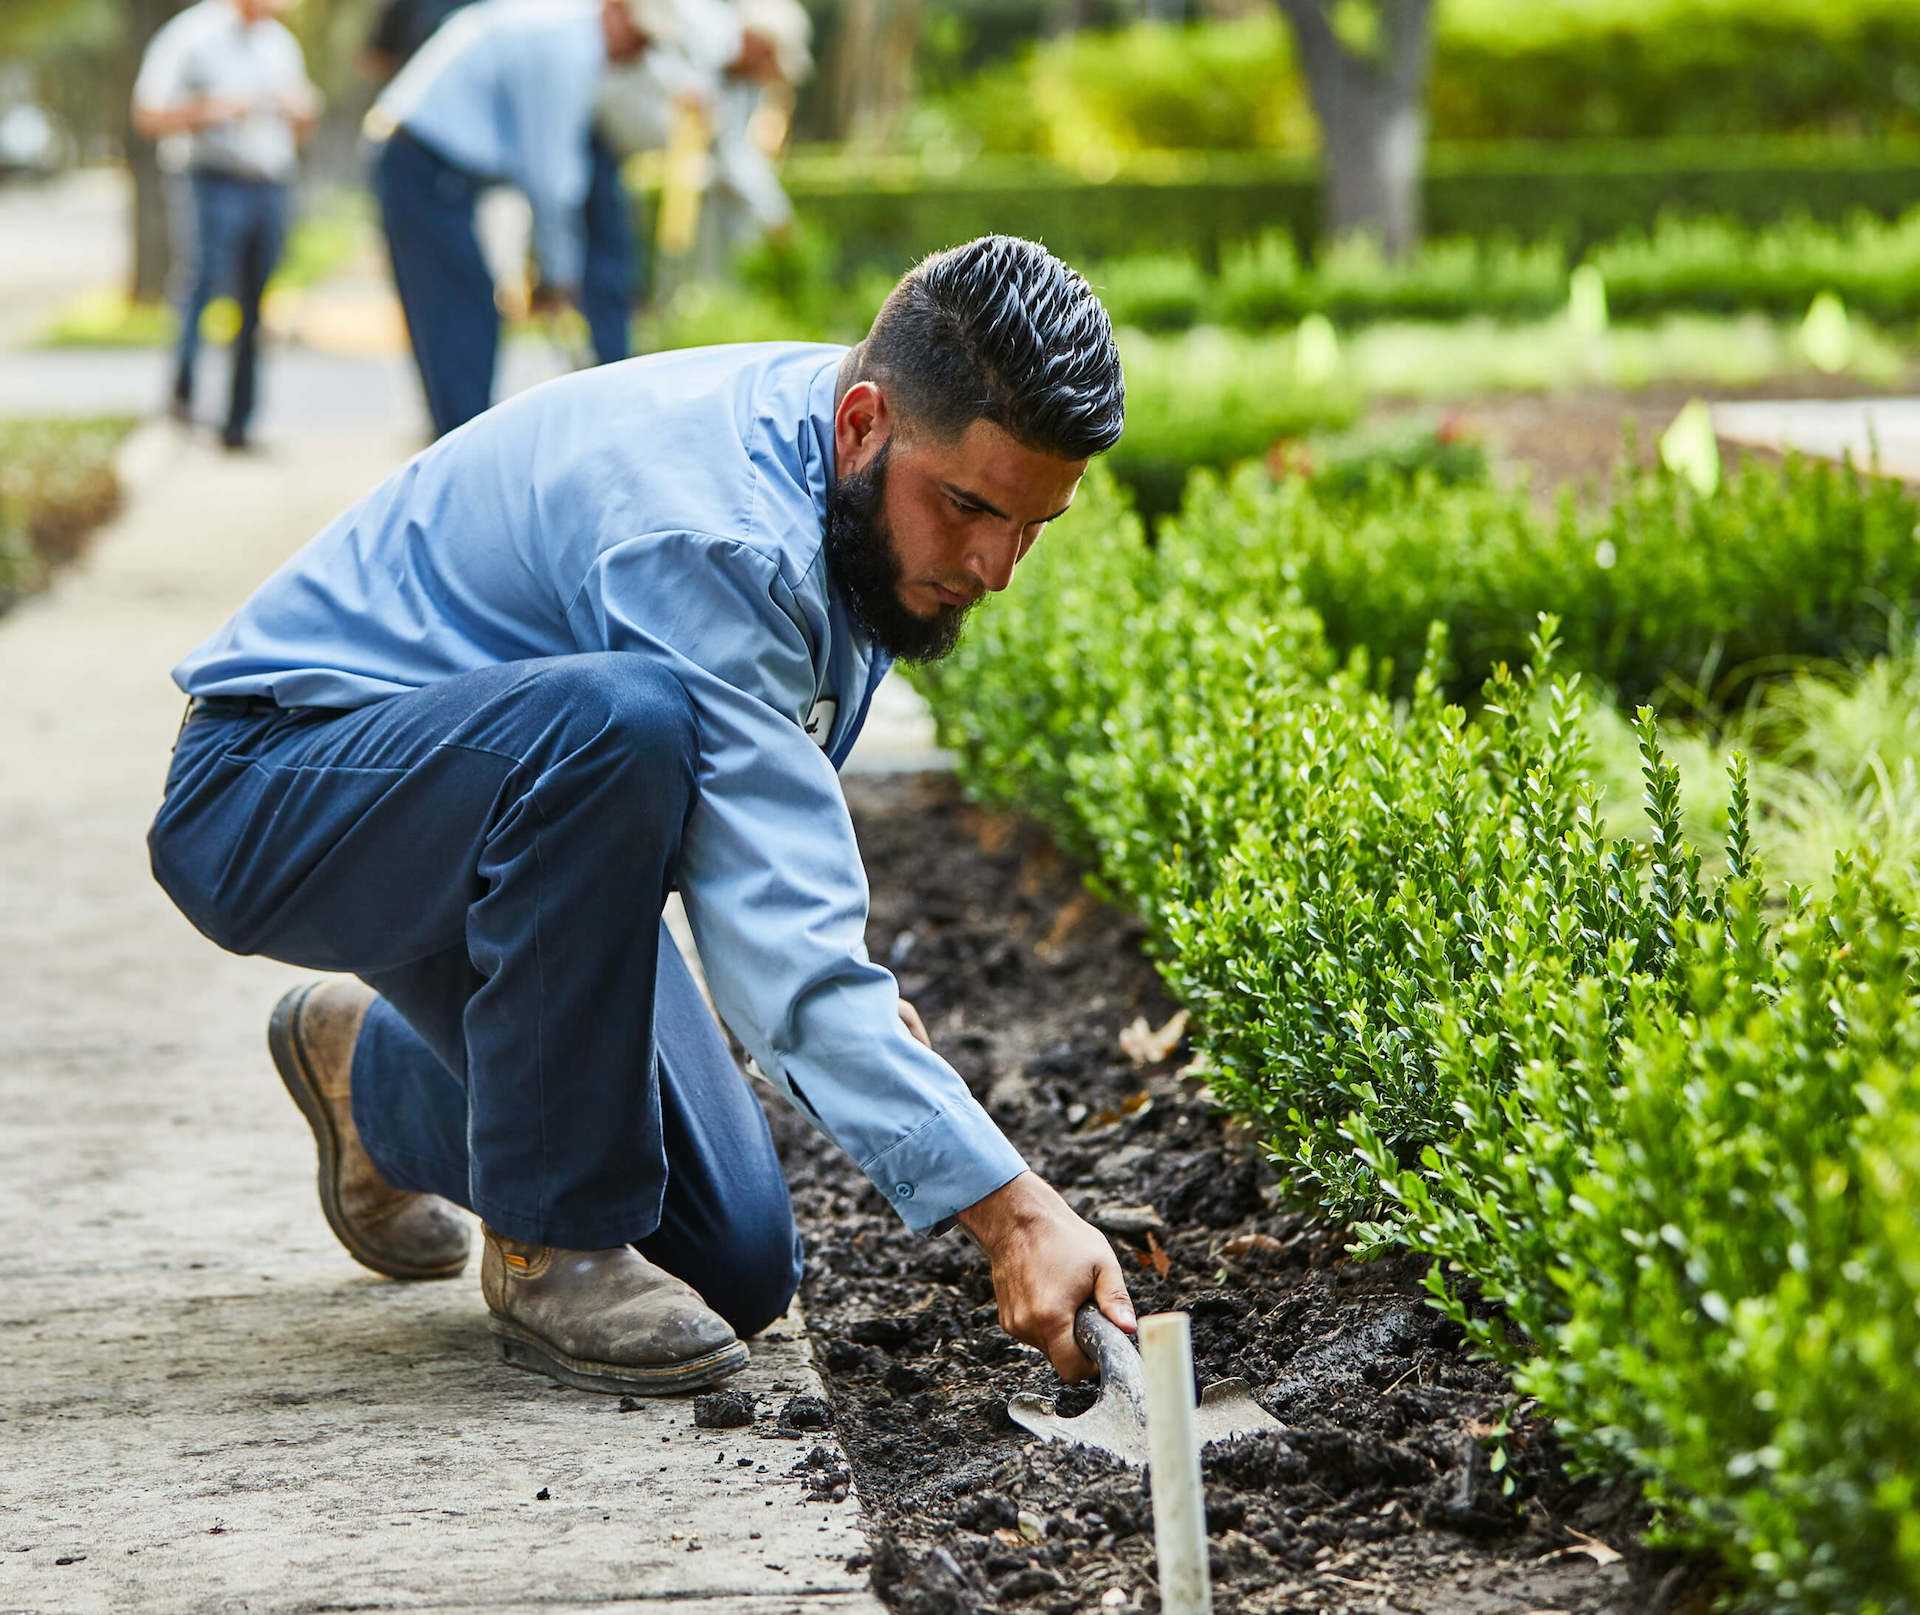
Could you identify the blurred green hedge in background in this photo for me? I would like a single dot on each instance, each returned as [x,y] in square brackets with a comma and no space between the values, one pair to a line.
[57,484]
[1503,70]
[889,211]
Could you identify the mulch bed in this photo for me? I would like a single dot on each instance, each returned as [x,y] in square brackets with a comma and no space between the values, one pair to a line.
[1381,1493]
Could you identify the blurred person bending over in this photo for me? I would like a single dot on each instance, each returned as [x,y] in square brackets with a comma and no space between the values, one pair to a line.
[613,639]
[399,31]
[751,119]
[734,68]
[228,77]
[504,93]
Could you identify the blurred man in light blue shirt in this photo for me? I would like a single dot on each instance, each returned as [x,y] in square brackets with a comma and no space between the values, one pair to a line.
[611,639]
[227,78]
[504,93]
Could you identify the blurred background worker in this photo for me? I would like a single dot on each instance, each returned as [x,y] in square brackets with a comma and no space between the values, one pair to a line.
[720,104]
[230,78]
[504,93]
[399,31]
[751,122]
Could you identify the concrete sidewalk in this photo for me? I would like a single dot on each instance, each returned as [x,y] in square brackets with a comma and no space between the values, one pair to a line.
[1881,434]
[204,1404]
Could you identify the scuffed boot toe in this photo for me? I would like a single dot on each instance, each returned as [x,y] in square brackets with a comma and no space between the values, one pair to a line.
[603,1320]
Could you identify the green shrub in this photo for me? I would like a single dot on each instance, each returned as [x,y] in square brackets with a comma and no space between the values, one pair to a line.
[1872,265]
[1082,97]
[891,211]
[1836,770]
[1153,291]
[1263,282]
[1502,70]
[1805,560]
[1669,1127]
[1207,401]
[57,484]
[1704,265]
[1445,279]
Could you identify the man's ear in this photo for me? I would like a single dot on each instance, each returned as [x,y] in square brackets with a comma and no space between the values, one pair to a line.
[862,422]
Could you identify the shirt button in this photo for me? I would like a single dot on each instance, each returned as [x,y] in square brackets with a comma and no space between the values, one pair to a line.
[903,1191]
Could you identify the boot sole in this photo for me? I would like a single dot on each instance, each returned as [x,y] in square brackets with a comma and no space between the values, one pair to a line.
[289,1053]
[524,1349]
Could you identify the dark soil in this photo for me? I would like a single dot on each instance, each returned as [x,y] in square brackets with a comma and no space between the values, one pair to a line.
[1382,1492]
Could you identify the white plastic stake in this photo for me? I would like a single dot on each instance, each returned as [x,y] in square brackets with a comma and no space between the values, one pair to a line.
[1173,1442]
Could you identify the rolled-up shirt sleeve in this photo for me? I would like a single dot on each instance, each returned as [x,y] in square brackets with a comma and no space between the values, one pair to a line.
[772,880]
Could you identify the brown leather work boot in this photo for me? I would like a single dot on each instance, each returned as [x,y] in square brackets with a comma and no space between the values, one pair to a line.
[605,1320]
[393,1231]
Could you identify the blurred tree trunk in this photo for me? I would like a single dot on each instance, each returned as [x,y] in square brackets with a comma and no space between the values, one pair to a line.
[1366,63]
[152,246]
[873,69]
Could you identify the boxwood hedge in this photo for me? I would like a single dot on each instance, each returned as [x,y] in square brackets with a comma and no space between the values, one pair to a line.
[1665,1118]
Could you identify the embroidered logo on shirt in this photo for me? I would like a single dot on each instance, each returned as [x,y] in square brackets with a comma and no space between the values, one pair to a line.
[820,721]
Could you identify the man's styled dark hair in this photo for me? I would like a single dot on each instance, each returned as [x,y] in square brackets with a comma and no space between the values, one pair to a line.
[1000,330]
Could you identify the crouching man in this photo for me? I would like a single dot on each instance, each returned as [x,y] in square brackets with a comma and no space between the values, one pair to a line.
[611,639]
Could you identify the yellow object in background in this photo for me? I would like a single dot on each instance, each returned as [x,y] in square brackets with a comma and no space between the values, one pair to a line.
[1689,449]
[685,179]
[1826,334]
[1587,301]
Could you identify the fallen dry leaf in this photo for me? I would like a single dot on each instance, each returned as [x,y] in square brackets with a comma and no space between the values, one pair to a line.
[1141,1044]
[1154,1257]
[1073,914]
[1247,1244]
[1595,1550]
[994,831]
[1136,1104]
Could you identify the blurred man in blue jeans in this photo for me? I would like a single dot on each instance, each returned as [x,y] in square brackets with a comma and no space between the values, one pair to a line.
[505,93]
[228,76]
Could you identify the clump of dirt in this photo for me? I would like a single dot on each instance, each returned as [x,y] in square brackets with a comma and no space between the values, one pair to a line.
[1405,1473]
[723,1410]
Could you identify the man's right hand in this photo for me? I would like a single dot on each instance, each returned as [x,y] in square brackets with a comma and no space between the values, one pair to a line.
[1046,1262]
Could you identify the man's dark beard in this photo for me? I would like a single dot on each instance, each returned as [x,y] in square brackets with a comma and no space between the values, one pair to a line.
[861,560]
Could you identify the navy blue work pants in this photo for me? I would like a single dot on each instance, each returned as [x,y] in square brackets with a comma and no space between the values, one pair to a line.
[490,854]
[239,232]
[446,290]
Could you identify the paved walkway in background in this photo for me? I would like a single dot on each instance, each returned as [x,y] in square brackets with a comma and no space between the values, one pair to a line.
[1882,432]
[205,1405]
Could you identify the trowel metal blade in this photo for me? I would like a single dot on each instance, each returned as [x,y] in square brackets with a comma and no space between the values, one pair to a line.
[1226,1410]
[1109,1425]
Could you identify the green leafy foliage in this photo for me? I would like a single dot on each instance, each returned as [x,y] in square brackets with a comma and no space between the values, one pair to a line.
[1502,70]
[890,211]
[1805,560]
[57,484]
[1706,265]
[1664,1119]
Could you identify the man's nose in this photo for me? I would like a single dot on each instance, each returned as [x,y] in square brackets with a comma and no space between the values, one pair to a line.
[991,561]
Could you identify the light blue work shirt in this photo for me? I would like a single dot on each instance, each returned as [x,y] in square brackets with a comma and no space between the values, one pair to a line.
[505,90]
[672,506]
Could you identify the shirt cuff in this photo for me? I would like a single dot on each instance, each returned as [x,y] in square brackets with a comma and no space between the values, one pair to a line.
[947,1163]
